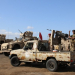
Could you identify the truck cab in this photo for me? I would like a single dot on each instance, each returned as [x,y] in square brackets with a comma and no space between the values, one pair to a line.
[29,50]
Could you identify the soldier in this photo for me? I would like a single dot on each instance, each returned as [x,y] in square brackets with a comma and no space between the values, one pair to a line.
[49,37]
[72,40]
[49,40]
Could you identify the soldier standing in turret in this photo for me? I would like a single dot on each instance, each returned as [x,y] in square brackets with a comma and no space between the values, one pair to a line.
[72,40]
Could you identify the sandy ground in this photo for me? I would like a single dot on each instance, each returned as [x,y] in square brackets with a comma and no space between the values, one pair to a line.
[33,69]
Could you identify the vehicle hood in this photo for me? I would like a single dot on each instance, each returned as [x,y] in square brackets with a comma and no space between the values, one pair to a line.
[14,42]
[17,51]
[4,44]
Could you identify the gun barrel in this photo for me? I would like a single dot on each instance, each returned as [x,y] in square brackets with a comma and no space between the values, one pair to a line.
[49,29]
[61,34]
[19,31]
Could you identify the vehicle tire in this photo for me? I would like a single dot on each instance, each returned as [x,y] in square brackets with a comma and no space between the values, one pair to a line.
[15,61]
[51,65]
[6,53]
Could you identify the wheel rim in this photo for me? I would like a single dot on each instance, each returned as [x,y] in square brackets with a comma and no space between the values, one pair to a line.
[15,61]
[51,65]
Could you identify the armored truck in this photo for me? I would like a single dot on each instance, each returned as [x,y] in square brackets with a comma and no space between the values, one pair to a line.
[36,51]
[3,39]
[18,43]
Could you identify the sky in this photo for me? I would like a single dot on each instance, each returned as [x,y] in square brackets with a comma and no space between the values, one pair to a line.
[36,16]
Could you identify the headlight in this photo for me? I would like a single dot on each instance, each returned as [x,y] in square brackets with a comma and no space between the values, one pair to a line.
[3,47]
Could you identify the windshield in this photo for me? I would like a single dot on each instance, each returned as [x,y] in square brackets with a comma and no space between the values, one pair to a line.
[28,46]
[18,39]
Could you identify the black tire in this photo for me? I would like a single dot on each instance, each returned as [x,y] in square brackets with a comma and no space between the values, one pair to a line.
[6,53]
[15,61]
[51,65]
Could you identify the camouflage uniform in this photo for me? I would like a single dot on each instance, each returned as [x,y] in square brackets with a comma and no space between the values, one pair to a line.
[49,41]
[73,43]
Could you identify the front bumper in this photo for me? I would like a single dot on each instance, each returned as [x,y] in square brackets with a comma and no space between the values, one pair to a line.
[5,51]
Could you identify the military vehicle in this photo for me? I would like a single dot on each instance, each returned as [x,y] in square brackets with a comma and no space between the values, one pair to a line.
[3,39]
[18,43]
[65,43]
[36,51]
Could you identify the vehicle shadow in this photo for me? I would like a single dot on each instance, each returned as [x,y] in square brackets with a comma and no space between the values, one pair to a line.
[40,65]
[67,69]
[37,65]
[1,53]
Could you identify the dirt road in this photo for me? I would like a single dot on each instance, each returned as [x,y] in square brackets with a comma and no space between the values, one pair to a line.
[33,69]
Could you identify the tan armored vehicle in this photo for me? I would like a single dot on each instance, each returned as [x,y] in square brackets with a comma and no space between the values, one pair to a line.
[3,39]
[39,51]
[18,43]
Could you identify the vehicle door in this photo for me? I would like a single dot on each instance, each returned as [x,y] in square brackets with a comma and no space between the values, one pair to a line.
[29,51]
